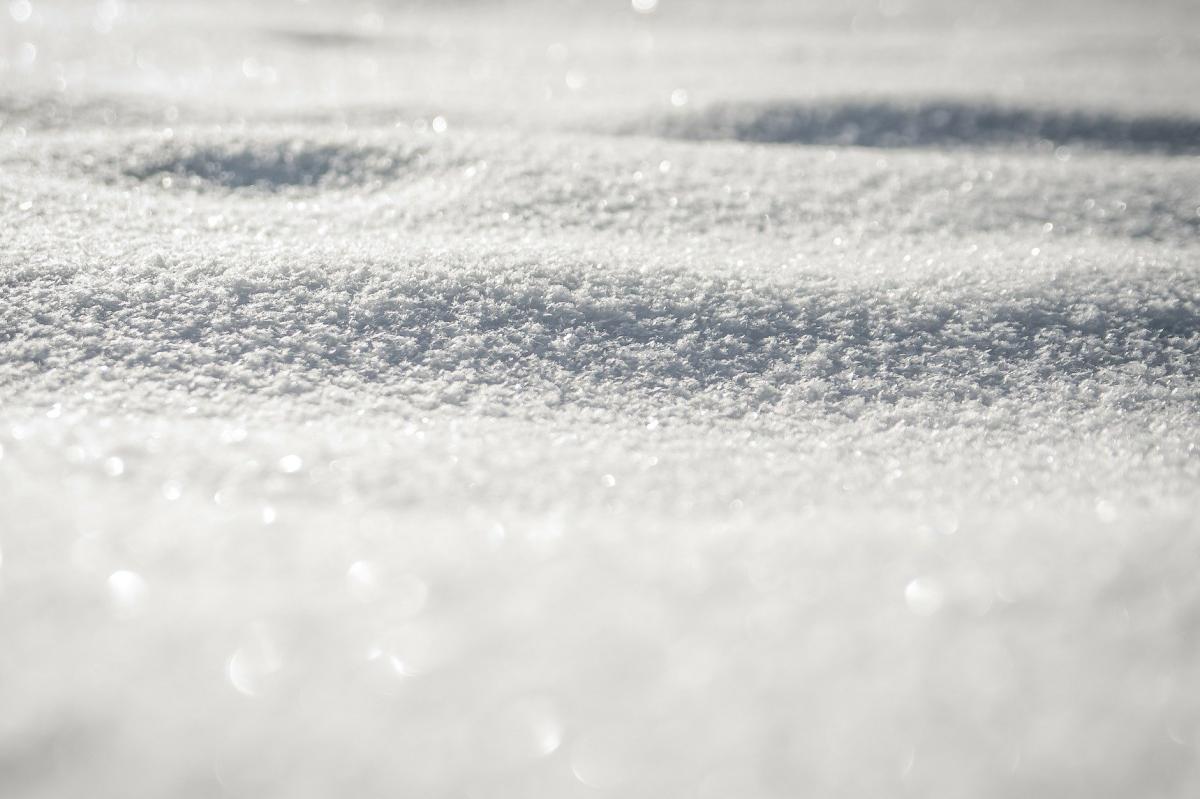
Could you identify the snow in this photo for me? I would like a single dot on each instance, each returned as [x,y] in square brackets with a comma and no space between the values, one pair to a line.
[578,399]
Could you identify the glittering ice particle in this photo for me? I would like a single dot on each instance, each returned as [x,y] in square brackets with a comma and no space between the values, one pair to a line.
[126,593]
[250,668]
[409,651]
[404,594]
[233,435]
[924,596]
[541,728]
[290,464]
[114,466]
[495,535]
[385,673]
[520,731]
[362,581]
[645,6]
[575,80]
[607,759]
[20,10]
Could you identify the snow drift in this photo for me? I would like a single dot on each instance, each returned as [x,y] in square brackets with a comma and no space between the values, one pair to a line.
[533,399]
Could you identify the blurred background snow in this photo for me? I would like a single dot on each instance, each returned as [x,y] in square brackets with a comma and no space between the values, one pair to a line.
[526,62]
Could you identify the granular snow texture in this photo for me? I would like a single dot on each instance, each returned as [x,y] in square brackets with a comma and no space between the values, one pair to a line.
[535,399]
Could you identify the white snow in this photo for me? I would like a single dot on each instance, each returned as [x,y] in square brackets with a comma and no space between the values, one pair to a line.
[544,399]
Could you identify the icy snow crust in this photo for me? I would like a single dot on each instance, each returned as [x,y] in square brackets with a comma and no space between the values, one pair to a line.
[760,447]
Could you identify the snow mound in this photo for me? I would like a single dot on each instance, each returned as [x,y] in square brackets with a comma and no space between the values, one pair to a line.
[272,164]
[464,182]
[878,123]
[574,326]
[41,111]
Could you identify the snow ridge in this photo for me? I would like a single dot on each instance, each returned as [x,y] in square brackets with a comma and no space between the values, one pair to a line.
[890,123]
[577,325]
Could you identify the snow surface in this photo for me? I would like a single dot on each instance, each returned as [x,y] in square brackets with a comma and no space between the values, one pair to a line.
[534,399]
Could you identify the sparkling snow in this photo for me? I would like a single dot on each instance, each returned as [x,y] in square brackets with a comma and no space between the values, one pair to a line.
[562,399]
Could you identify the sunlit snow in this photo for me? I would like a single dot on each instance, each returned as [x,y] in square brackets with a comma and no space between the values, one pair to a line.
[558,399]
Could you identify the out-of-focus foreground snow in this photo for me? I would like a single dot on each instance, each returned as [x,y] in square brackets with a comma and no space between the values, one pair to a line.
[467,399]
